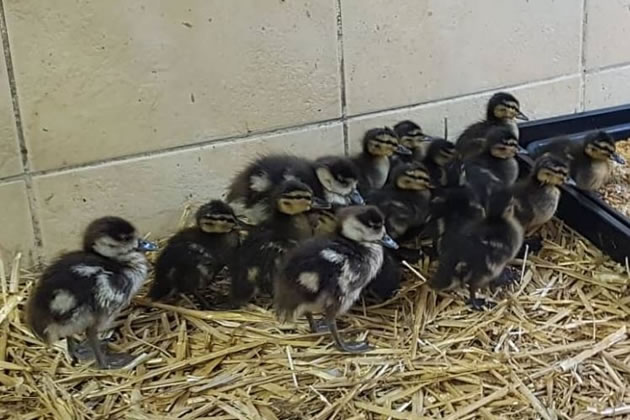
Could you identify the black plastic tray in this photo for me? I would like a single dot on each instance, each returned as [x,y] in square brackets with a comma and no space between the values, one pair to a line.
[606,227]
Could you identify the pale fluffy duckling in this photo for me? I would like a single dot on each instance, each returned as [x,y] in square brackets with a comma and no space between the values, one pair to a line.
[328,274]
[83,291]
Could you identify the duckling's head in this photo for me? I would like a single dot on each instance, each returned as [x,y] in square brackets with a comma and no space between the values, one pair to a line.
[364,224]
[502,143]
[551,170]
[382,142]
[441,152]
[410,135]
[412,176]
[504,106]
[600,145]
[340,176]
[216,217]
[294,197]
[114,237]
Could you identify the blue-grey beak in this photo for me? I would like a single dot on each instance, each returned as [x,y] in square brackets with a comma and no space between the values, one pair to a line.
[571,182]
[521,116]
[617,158]
[146,246]
[522,151]
[389,242]
[356,198]
[402,150]
[320,204]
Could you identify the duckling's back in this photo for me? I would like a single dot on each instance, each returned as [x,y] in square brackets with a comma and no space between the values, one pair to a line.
[77,290]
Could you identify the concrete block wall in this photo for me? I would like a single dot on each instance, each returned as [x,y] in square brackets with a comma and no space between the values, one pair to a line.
[138,107]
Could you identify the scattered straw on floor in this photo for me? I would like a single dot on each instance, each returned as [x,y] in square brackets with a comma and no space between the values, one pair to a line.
[555,347]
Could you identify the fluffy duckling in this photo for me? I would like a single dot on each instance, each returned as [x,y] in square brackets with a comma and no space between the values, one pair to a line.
[450,209]
[83,291]
[591,158]
[331,177]
[260,253]
[373,162]
[411,136]
[503,110]
[478,252]
[405,198]
[339,178]
[496,166]
[439,156]
[328,274]
[194,256]
[538,195]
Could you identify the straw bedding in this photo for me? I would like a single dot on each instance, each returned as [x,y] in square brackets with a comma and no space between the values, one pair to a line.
[555,347]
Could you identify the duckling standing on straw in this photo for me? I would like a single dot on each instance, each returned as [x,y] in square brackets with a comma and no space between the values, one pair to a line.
[328,274]
[83,291]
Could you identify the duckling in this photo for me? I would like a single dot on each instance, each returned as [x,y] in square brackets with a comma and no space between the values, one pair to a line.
[439,155]
[328,274]
[590,157]
[412,137]
[263,248]
[331,177]
[339,177]
[450,209]
[538,195]
[478,252]
[503,110]
[496,166]
[323,222]
[83,291]
[194,256]
[405,198]
[373,162]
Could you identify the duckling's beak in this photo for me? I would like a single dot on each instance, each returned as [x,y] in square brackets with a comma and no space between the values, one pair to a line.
[387,241]
[356,198]
[402,150]
[320,204]
[571,182]
[617,158]
[521,116]
[522,151]
[146,246]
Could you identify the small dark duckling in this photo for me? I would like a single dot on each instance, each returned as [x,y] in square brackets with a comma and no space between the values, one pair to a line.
[328,274]
[478,252]
[439,155]
[83,291]
[330,177]
[373,162]
[339,178]
[405,199]
[411,136]
[496,166]
[450,209]
[194,256]
[262,250]
[250,190]
[537,196]
[591,158]
[503,110]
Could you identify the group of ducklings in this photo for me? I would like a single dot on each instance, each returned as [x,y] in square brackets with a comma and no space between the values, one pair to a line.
[316,233]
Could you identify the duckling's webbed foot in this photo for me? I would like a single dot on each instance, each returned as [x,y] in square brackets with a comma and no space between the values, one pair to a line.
[347,346]
[479,304]
[508,276]
[535,245]
[82,351]
[317,325]
[104,358]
